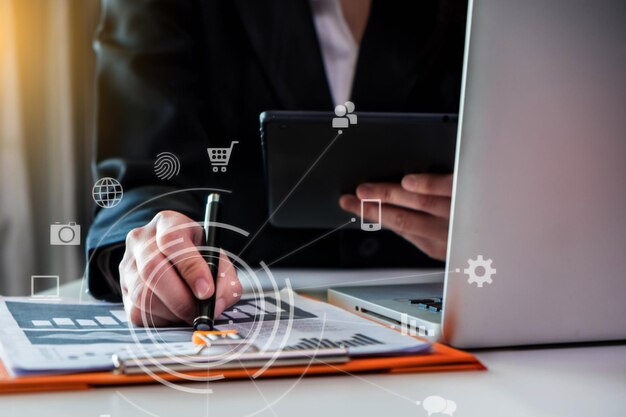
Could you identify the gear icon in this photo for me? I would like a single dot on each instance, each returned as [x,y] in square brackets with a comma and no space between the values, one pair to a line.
[473,265]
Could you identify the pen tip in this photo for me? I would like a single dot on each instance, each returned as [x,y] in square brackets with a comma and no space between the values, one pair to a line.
[203,324]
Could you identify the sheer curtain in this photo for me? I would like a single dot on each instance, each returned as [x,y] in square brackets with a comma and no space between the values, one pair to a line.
[46,99]
[16,237]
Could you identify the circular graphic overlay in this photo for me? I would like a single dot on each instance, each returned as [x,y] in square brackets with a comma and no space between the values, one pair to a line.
[275,330]
[159,346]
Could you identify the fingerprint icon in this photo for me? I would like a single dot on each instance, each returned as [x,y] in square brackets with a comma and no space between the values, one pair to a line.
[166,166]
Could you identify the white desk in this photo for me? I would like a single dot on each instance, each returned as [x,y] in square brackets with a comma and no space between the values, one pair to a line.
[574,381]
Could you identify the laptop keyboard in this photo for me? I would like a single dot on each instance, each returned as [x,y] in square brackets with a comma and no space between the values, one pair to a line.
[430,304]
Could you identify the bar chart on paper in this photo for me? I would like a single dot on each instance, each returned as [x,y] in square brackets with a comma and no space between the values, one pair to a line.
[67,316]
[59,324]
[356,340]
[267,309]
[82,324]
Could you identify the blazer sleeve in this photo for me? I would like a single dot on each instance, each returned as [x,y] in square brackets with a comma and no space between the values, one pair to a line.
[148,101]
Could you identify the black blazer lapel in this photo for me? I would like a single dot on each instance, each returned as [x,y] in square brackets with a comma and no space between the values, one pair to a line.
[282,33]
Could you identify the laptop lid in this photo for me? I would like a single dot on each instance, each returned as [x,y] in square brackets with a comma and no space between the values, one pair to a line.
[538,236]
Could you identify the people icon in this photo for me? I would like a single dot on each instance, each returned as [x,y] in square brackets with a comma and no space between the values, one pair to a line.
[350,107]
[345,116]
[341,121]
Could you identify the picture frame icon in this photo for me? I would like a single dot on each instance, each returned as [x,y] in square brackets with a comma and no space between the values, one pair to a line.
[368,226]
[45,287]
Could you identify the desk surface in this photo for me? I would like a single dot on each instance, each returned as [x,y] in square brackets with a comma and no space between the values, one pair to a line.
[570,381]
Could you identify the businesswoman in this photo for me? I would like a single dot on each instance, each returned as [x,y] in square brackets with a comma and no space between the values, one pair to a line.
[180,76]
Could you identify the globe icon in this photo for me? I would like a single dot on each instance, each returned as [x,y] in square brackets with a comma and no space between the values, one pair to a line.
[107,192]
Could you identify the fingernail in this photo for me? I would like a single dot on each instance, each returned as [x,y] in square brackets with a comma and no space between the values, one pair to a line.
[365,190]
[202,289]
[409,183]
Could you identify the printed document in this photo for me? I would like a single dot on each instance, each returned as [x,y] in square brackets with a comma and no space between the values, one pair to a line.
[38,337]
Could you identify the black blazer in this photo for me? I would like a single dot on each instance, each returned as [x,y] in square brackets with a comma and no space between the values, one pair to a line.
[183,75]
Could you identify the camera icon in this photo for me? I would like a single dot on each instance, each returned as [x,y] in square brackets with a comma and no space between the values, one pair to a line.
[65,234]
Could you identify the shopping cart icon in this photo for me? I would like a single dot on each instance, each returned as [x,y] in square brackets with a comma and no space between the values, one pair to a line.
[220,157]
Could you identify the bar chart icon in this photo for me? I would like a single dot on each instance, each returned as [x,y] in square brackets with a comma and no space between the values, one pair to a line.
[407,327]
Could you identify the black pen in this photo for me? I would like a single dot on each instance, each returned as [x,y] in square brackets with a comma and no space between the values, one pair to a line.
[206,314]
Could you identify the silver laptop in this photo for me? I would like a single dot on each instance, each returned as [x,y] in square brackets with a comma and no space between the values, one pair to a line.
[537,245]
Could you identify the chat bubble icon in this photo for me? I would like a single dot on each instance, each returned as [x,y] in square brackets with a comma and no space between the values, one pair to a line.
[450,408]
[434,404]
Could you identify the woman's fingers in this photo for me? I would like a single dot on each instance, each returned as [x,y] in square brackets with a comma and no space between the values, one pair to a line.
[429,233]
[160,276]
[400,220]
[163,274]
[418,209]
[429,184]
[147,309]
[156,273]
[177,237]
[398,196]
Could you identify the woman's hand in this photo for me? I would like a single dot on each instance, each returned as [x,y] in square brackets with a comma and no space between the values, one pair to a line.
[418,209]
[163,273]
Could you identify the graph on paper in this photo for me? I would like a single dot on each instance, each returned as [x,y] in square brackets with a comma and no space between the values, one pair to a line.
[40,337]
[357,340]
[269,309]
[61,324]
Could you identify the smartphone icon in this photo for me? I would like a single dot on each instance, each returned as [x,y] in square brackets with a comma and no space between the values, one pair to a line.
[366,226]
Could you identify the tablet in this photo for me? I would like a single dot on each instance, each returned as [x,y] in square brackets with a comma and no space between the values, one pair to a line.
[311,159]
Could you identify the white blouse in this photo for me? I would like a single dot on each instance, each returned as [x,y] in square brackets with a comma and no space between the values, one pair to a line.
[339,49]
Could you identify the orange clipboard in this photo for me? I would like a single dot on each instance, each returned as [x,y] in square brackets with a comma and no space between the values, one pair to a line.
[441,358]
